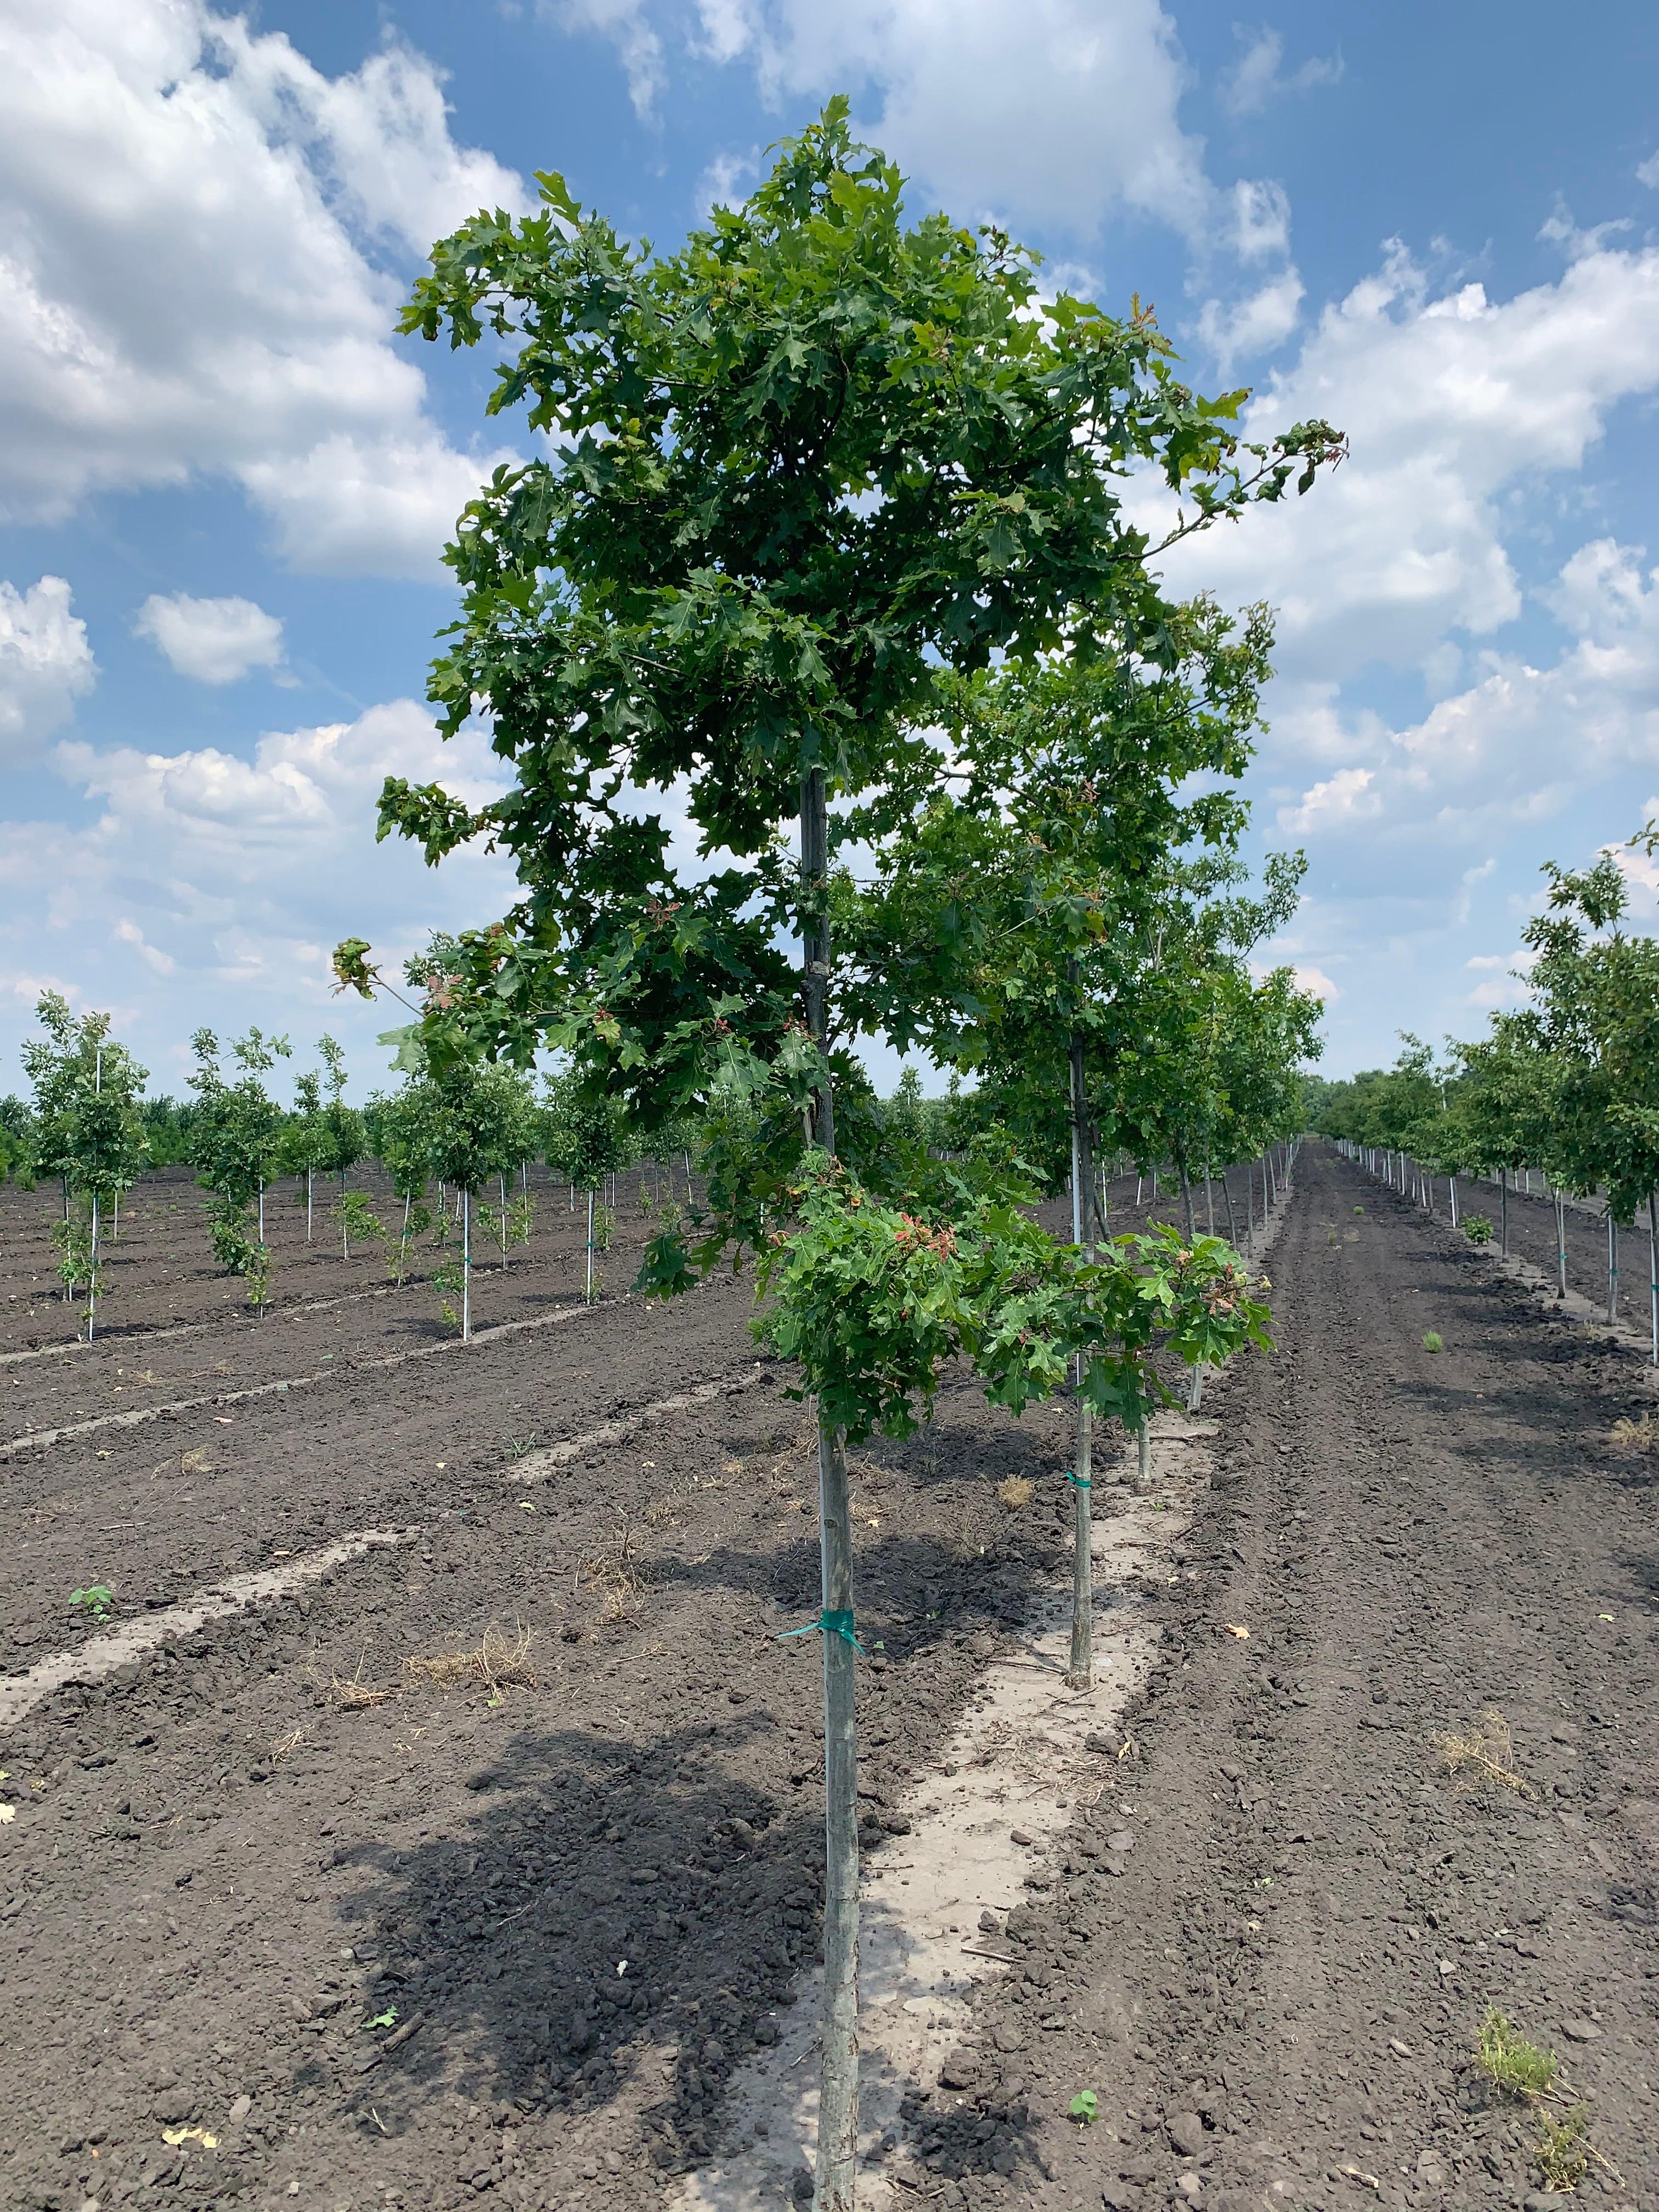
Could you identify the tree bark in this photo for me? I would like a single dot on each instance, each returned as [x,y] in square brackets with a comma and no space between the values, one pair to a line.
[838,2081]
[1081,1670]
[466,1266]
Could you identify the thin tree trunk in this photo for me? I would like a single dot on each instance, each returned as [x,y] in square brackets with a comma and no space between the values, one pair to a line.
[1560,1245]
[501,1179]
[1653,1272]
[1613,1268]
[309,1176]
[1209,1200]
[1081,1671]
[1249,1201]
[589,1293]
[262,1210]
[1504,1191]
[838,2089]
[466,1265]
[1143,1459]
[1452,1181]
[1186,1200]
[1232,1218]
[92,1278]
[115,1226]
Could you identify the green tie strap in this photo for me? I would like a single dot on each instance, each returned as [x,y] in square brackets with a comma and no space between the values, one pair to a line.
[832,1624]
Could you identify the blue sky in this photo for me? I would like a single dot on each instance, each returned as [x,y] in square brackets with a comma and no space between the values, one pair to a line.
[223,481]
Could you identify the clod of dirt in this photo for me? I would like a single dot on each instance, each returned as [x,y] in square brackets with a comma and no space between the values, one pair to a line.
[1187,2134]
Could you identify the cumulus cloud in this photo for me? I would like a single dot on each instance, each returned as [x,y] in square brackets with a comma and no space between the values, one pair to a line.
[1455,401]
[192,279]
[626,26]
[1339,800]
[1057,112]
[204,885]
[46,665]
[215,640]
[1315,979]
[1255,81]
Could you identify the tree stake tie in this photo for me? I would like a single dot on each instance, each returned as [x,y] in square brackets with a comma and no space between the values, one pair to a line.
[832,1624]
[1078,1481]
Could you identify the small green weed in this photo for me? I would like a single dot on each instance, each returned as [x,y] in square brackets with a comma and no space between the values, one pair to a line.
[386,2019]
[1085,2108]
[1431,1341]
[1360,1209]
[98,1599]
[1562,2150]
[1476,1228]
[1513,2065]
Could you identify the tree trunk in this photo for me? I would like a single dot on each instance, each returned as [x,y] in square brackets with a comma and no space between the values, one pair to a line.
[466,1266]
[1186,1200]
[308,1175]
[838,2082]
[1209,1200]
[1232,1218]
[1653,1272]
[1560,1244]
[1143,1459]
[1081,1672]
[1504,1192]
[588,1293]
[1249,1201]
[1613,1268]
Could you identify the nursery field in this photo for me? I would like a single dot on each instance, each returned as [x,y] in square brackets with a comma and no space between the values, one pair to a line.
[476,1853]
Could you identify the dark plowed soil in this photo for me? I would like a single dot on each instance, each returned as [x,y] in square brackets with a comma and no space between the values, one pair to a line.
[391,1941]
[1533,1238]
[1279,1999]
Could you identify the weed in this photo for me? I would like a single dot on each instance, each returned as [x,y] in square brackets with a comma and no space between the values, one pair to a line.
[1562,2149]
[386,2019]
[1520,2069]
[286,1745]
[98,1600]
[1333,1238]
[355,1696]
[1431,1341]
[257,1276]
[1013,1491]
[519,1447]
[1476,1228]
[619,1573]
[1085,2108]
[500,1662]
[1360,1209]
[356,1219]
[1640,1435]
[1483,1755]
[400,1247]
[449,1280]
[605,1223]
[196,1462]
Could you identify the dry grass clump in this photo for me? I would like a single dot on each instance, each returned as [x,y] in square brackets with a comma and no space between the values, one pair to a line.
[196,1462]
[620,1573]
[1482,1756]
[354,1695]
[1013,1491]
[1638,1435]
[500,1662]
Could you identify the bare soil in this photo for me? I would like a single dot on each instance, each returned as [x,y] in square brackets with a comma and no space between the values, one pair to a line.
[393,1943]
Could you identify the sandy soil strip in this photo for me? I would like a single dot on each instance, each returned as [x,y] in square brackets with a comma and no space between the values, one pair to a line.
[1017,1767]
[100,1655]
[38,1439]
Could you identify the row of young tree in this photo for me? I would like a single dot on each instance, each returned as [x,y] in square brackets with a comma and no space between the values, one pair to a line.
[1562,1086]
[829,559]
[470,1128]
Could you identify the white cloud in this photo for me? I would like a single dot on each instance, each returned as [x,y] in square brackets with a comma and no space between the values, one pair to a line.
[188,280]
[1261,218]
[1057,112]
[1342,799]
[128,933]
[1454,403]
[46,665]
[1309,978]
[624,23]
[1254,325]
[215,640]
[1648,173]
[1254,81]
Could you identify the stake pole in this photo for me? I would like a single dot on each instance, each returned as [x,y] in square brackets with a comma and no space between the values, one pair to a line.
[1081,1670]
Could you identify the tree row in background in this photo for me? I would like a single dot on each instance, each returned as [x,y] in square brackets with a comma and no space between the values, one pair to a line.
[1563,1087]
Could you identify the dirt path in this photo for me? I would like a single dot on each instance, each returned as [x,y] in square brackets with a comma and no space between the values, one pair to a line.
[1280,1996]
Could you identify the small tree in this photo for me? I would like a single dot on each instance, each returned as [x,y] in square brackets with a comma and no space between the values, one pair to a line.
[307,1140]
[87,1090]
[237,1134]
[347,1139]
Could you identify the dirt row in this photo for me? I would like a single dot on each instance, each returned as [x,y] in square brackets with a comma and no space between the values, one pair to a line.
[1533,1238]
[161,1272]
[414,1936]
